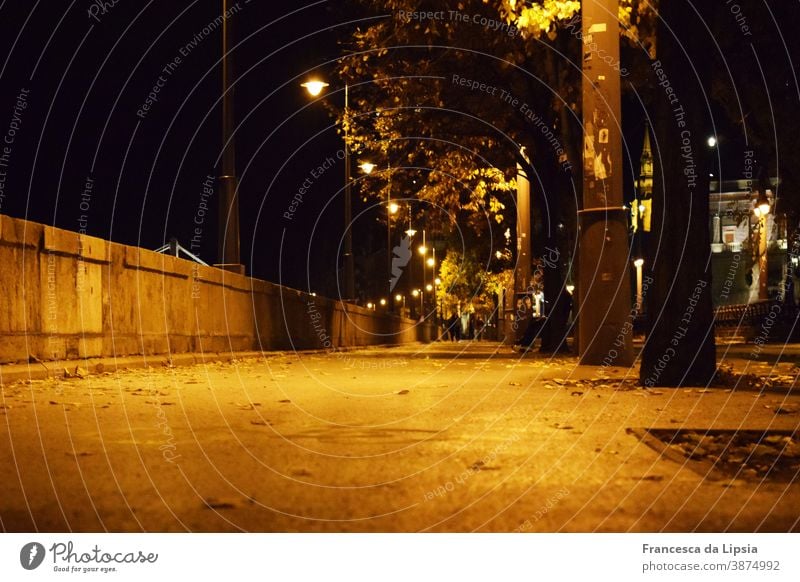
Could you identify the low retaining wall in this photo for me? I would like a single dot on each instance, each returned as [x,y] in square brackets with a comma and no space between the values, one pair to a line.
[64,295]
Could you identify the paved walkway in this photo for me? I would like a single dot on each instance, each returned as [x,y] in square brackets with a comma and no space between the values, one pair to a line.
[443,437]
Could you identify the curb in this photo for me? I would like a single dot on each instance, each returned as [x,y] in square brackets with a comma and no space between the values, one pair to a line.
[80,368]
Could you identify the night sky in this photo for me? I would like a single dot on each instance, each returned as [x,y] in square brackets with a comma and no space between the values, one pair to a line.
[91,152]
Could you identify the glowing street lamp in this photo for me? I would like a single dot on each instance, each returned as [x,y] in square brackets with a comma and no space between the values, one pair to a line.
[761,211]
[638,263]
[762,205]
[419,293]
[401,298]
[367,167]
[423,248]
[315,88]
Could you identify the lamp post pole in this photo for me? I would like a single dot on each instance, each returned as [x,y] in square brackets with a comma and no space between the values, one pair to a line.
[349,269]
[762,258]
[389,234]
[228,220]
[639,296]
[433,282]
[315,87]
[761,210]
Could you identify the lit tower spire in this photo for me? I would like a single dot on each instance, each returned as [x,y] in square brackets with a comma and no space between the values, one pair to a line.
[642,208]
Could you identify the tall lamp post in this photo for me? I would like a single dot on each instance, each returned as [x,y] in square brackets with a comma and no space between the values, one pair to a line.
[421,294]
[391,209]
[761,211]
[638,263]
[315,87]
[423,250]
[228,238]
[431,262]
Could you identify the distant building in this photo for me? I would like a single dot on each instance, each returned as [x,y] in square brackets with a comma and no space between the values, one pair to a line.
[642,207]
[735,244]
[734,231]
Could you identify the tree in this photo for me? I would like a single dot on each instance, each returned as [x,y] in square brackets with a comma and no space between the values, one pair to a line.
[451,101]
[680,348]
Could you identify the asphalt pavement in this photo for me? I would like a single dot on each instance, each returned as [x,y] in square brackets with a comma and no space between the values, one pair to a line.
[462,437]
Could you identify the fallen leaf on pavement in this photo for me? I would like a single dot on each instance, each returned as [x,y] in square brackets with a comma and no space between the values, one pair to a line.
[652,478]
[786,410]
[218,504]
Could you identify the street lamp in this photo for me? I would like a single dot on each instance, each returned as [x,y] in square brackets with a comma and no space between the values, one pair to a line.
[638,263]
[315,88]
[228,220]
[410,231]
[431,262]
[419,293]
[761,211]
[391,208]
[437,282]
[762,204]
[398,299]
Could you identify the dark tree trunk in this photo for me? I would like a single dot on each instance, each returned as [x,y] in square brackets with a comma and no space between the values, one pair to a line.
[561,205]
[679,348]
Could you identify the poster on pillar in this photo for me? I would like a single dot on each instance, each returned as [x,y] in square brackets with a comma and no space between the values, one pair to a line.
[604,287]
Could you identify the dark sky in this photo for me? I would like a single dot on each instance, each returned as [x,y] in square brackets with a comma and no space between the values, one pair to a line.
[85,72]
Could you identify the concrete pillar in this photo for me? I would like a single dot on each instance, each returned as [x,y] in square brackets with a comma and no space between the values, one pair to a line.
[604,293]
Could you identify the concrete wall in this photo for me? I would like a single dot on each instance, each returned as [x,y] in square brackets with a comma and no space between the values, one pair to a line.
[64,295]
